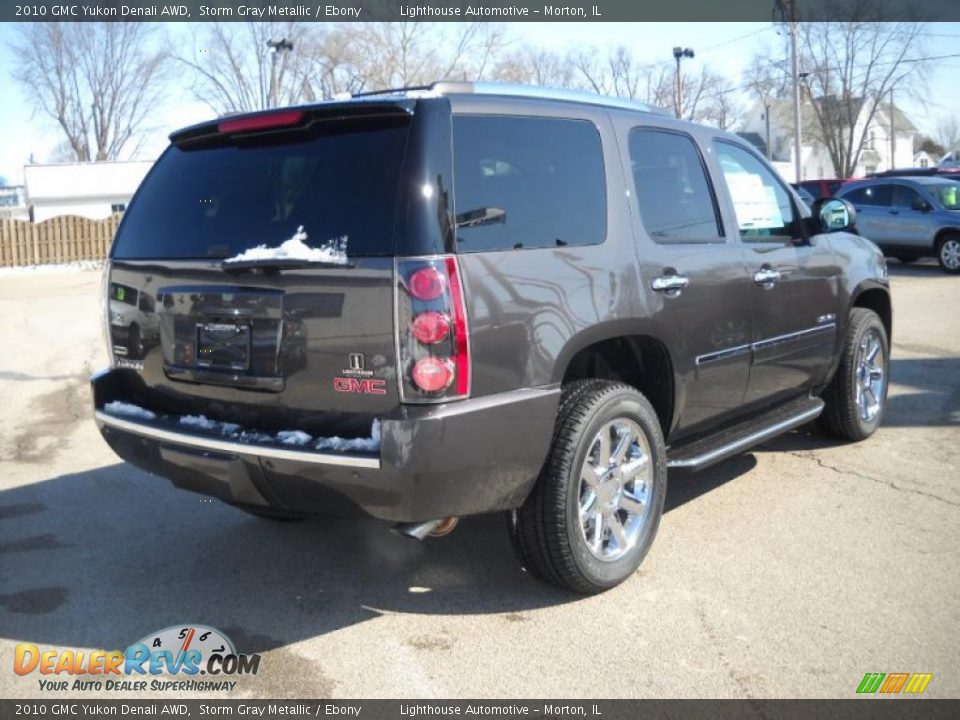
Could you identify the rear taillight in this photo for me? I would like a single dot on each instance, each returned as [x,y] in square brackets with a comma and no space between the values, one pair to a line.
[432,341]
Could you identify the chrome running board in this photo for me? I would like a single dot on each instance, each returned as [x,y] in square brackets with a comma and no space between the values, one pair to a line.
[708,451]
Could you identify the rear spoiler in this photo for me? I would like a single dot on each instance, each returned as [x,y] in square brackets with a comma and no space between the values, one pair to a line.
[299,116]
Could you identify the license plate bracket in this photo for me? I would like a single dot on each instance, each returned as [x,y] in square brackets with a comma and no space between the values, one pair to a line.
[223,346]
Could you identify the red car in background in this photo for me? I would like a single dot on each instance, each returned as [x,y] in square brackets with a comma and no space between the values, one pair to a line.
[822,188]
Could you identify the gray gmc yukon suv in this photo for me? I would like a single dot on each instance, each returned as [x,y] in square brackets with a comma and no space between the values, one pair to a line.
[423,304]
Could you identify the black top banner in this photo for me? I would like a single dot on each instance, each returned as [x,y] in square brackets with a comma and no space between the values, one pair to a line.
[482,10]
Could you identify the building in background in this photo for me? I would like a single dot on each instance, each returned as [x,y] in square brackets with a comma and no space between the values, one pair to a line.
[923,159]
[13,203]
[92,190]
[875,156]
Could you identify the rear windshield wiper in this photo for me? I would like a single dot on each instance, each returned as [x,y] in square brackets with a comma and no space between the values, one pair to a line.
[275,265]
[481,216]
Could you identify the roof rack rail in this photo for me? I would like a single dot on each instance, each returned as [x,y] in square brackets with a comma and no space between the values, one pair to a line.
[455,87]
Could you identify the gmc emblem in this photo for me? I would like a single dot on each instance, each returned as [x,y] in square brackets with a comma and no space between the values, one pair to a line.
[364,387]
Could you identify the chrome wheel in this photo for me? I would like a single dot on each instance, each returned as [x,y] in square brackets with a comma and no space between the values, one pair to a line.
[871,376]
[616,483]
[950,253]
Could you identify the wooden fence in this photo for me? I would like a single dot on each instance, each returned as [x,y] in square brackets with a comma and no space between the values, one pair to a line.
[61,239]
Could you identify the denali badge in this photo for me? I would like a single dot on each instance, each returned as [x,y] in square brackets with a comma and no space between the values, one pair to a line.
[356,366]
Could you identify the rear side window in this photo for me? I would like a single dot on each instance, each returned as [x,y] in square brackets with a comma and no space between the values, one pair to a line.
[870,195]
[340,179]
[527,182]
[674,197]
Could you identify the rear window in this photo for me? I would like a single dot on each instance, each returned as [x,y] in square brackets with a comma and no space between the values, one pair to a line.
[527,182]
[218,201]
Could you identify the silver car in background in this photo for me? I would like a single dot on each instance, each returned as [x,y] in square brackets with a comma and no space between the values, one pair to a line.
[910,217]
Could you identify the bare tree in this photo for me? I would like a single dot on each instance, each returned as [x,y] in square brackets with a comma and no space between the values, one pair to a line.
[231,62]
[534,66]
[719,106]
[948,133]
[767,75]
[232,68]
[99,82]
[851,68]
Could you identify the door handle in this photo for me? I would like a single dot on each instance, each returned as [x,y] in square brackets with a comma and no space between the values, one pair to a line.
[670,284]
[767,277]
[894,212]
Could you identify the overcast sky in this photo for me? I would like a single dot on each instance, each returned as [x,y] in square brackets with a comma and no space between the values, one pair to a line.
[725,47]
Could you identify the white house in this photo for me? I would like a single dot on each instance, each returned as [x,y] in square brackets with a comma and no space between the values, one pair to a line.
[92,190]
[923,159]
[815,158]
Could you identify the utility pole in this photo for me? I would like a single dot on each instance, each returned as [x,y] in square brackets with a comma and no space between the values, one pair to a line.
[678,54]
[795,62]
[766,115]
[787,10]
[276,47]
[893,135]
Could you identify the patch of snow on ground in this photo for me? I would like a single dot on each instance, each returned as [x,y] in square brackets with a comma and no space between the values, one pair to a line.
[53,268]
[293,437]
[333,252]
[118,407]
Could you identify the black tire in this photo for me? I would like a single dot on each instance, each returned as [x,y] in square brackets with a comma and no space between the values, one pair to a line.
[135,346]
[947,247]
[841,416]
[546,531]
[906,260]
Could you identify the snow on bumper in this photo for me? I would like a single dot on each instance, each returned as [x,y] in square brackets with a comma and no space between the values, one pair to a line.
[468,457]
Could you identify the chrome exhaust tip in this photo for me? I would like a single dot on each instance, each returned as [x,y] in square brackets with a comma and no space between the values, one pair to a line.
[420,531]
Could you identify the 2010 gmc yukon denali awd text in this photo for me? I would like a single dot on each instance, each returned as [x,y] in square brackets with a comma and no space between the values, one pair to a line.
[418,305]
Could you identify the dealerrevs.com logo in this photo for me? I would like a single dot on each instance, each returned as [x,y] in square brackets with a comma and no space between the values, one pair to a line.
[173,659]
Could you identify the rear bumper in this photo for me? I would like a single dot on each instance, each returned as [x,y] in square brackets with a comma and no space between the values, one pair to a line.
[462,458]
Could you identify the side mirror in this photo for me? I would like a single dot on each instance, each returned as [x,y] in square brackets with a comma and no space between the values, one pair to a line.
[834,215]
[921,205]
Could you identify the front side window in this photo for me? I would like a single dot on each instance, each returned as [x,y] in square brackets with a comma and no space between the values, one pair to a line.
[947,194]
[527,182]
[762,204]
[674,197]
[123,293]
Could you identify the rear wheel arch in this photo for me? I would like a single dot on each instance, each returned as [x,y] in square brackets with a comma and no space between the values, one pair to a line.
[640,360]
[942,233]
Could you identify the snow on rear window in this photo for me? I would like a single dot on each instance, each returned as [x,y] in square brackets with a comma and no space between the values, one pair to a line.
[333,252]
[221,199]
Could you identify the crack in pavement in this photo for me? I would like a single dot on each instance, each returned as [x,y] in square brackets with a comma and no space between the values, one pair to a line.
[841,471]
